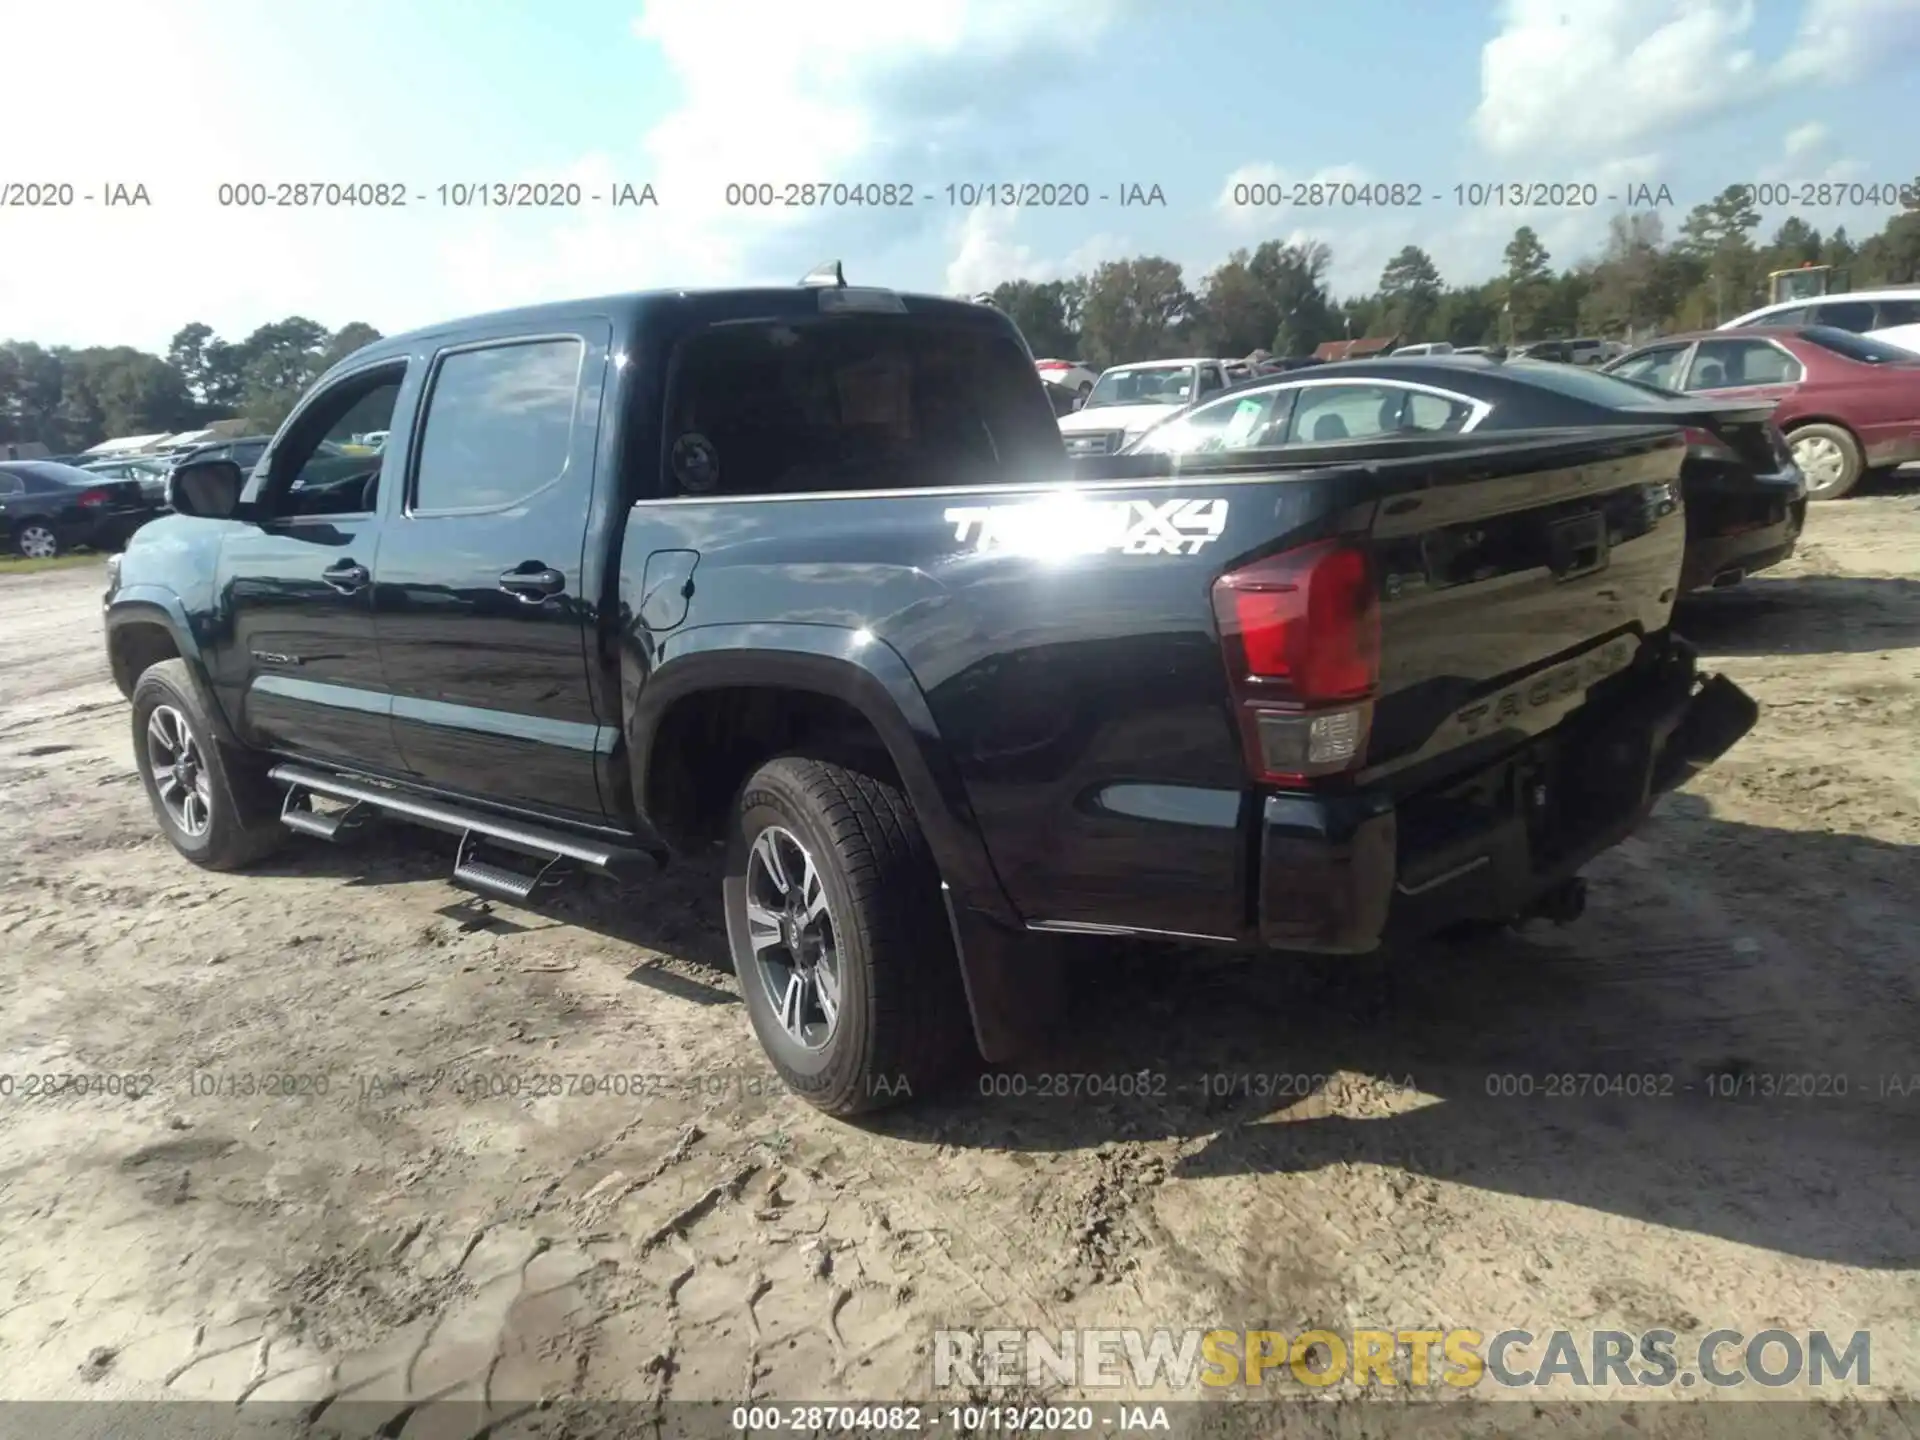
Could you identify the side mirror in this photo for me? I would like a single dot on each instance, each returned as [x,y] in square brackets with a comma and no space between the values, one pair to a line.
[208,488]
[1079,401]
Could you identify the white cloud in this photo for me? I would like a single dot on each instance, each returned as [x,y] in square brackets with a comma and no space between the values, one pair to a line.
[1841,40]
[771,93]
[986,253]
[1805,140]
[1577,78]
[1593,76]
[763,92]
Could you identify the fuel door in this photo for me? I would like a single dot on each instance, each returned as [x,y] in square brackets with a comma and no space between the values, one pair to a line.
[666,588]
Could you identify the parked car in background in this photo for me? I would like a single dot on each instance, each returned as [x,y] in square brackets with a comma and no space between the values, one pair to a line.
[244,451]
[1076,375]
[1889,315]
[1286,364]
[1063,400]
[1425,347]
[1128,400]
[1745,501]
[1582,351]
[47,509]
[148,470]
[1847,403]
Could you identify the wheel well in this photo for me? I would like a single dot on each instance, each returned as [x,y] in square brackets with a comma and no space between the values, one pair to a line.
[710,741]
[1801,422]
[137,648]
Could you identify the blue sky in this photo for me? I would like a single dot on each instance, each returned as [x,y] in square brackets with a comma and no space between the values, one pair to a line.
[692,94]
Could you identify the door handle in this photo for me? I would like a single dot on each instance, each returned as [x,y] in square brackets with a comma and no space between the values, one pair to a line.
[346,576]
[533,583]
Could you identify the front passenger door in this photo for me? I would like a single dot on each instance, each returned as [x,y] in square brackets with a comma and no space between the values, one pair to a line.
[296,664]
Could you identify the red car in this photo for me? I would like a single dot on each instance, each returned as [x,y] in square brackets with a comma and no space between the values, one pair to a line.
[1848,403]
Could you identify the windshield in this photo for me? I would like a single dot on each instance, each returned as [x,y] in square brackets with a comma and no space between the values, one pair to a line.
[1143,385]
[1862,348]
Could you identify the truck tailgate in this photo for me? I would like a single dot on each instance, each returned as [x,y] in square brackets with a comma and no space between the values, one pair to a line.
[1513,581]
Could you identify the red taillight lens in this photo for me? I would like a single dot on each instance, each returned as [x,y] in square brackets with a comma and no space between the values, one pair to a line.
[1304,625]
[91,497]
[1708,445]
[1301,635]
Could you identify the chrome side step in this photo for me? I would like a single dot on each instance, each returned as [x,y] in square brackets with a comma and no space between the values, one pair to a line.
[556,855]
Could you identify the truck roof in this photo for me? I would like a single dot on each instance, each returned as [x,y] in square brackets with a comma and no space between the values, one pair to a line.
[633,310]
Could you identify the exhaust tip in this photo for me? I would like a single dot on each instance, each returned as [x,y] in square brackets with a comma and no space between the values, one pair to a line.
[1729,577]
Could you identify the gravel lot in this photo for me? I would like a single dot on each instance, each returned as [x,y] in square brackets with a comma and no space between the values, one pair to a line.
[414,1222]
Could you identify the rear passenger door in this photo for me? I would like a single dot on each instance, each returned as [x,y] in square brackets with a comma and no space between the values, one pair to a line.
[482,626]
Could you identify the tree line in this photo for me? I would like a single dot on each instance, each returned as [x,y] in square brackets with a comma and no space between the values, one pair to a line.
[70,399]
[1275,297]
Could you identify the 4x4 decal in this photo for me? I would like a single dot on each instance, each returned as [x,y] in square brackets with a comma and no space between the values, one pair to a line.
[1076,526]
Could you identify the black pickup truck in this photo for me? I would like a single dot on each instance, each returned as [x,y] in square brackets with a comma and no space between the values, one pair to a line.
[799,574]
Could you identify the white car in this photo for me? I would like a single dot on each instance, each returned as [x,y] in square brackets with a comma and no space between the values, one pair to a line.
[1889,315]
[1074,375]
[1129,400]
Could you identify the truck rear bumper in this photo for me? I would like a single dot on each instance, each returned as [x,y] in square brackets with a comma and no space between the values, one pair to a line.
[1340,876]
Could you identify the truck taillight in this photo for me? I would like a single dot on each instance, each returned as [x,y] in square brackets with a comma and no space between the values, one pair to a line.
[1301,635]
[1709,446]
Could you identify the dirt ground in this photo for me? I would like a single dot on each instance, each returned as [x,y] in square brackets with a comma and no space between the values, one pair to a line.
[413,1221]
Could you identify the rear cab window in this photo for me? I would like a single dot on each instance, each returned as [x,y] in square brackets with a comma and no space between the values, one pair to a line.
[849,403]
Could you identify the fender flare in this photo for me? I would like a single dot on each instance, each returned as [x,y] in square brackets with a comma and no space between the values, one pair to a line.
[1012,977]
[847,665]
[155,605]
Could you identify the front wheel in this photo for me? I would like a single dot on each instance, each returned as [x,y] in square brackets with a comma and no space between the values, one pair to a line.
[214,806]
[36,541]
[839,937]
[1829,457]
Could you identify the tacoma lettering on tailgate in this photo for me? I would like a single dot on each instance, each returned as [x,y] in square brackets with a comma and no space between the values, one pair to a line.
[1565,679]
[1074,526]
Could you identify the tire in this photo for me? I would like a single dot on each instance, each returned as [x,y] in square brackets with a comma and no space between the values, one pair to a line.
[232,800]
[1834,453]
[36,540]
[899,1019]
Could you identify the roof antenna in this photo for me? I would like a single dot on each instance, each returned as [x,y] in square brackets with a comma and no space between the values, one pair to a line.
[828,273]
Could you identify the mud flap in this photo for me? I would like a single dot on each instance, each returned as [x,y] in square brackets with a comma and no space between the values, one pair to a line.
[1717,716]
[1015,980]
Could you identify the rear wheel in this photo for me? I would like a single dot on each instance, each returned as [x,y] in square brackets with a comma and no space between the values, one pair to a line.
[36,541]
[839,936]
[215,806]
[1830,459]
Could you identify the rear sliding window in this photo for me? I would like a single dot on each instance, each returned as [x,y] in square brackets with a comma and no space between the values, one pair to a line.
[779,407]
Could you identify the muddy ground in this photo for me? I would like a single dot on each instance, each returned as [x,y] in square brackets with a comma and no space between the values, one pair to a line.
[414,1222]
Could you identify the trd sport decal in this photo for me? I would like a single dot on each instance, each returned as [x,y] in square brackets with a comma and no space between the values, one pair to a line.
[1074,526]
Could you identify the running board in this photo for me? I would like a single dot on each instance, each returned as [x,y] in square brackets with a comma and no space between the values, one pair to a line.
[556,854]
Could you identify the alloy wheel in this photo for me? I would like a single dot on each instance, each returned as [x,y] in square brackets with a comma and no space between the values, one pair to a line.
[1821,461]
[790,925]
[179,771]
